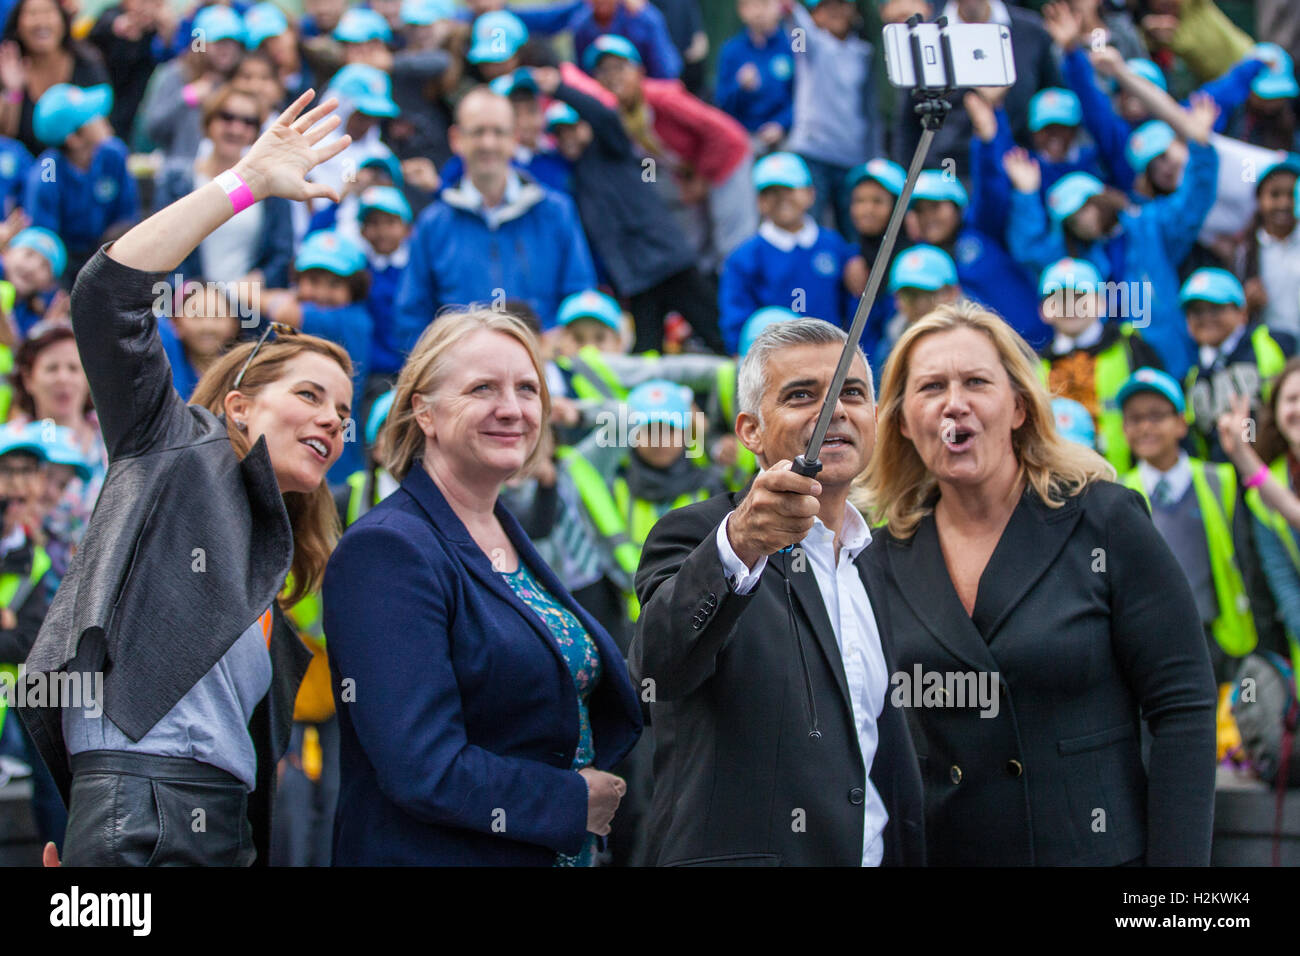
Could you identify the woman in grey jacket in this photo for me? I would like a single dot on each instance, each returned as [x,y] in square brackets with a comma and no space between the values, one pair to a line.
[206,510]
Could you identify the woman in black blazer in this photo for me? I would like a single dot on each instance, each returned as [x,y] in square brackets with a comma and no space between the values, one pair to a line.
[207,508]
[1036,617]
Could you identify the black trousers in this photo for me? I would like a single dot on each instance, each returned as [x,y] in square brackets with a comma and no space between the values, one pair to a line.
[687,292]
[131,809]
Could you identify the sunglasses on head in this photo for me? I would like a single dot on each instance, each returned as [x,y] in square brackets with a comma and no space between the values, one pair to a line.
[279,328]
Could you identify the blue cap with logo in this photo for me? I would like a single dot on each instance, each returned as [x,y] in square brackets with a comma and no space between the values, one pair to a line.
[59,447]
[367,88]
[1054,106]
[1152,380]
[21,438]
[1277,81]
[922,267]
[215,23]
[361,25]
[1147,142]
[46,243]
[1077,275]
[1070,192]
[888,173]
[760,320]
[63,109]
[937,186]
[610,44]
[1073,423]
[330,251]
[1290,163]
[384,199]
[781,169]
[591,304]
[383,158]
[1212,285]
[561,114]
[1148,70]
[520,81]
[263,21]
[497,37]
[421,13]
[379,410]
[659,400]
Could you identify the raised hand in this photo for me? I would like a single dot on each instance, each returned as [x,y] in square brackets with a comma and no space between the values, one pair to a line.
[1022,169]
[982,119]
[13,75]
[1202,113]
[1062,24]
[13,224]
[1107,61]
[278,162]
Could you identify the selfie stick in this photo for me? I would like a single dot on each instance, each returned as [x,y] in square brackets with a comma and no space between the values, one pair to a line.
[932,107]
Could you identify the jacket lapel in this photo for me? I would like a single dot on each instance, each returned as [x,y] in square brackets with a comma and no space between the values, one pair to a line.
[922,576]
[809,597]
[1030,543]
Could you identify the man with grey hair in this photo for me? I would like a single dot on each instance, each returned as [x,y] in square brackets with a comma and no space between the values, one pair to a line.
[760,652]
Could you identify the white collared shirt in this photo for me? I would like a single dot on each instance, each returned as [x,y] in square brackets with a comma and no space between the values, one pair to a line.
[14,540]
[1209,354]
[493,215]
[1177,478]
[1064,344]
[786,241]
[399,258]
[854,621]
[1279,270]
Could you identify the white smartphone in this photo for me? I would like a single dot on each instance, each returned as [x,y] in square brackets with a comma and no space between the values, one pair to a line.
[981,55]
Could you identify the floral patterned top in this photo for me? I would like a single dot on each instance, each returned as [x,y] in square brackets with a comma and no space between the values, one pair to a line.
[583,659]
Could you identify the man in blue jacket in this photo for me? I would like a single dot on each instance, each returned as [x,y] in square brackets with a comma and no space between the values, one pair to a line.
[495,235]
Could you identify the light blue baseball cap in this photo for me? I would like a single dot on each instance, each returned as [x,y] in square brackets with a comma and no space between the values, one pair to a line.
[385,199]
[660,400]
[379,410]
[21,438]
[1277,81]
[1073,422]
[1148,70]
[361,25]
[781,169]
[58,447]
[922,267]
[1054,106]
[63,109]
[218,23]
[1218,286]
[1147,142]
[263,21]
[936,186]
[1077,275]
[46,243]
[760,320]
[1148,379]
[561,114]
[520,81]
[1070,192]
[610,44]
[888,173]
[497,36]
[330,251]
[383,158]
[421,13]
[591,304]
[368,89]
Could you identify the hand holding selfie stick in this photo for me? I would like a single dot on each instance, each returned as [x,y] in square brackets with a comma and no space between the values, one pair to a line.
[932,107]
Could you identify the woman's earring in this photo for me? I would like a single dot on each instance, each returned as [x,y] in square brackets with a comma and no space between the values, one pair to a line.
[241,426]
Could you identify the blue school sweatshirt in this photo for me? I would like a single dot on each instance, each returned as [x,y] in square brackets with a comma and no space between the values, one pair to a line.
[773,101]
[386,272]
[79,205]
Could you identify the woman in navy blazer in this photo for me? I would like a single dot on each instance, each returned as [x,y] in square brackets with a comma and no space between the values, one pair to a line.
[475,726]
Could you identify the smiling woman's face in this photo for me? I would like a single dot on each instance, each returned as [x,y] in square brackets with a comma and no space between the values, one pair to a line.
[485,416]
[959,407]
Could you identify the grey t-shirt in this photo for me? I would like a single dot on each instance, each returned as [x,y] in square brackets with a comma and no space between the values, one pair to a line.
[208,724]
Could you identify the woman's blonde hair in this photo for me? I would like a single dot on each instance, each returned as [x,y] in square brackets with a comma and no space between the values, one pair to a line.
[312,515]
[899,487]
[401,441]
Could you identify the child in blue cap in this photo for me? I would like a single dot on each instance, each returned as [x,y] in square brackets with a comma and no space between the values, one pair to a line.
[1089,358]
[385,219]
[1196,508]
[792,262]
[921,279]
[755,75]
[201,328]
[874,188]
[1268,259]
[30,268]
[331,282]
[80,187]
[1234,356]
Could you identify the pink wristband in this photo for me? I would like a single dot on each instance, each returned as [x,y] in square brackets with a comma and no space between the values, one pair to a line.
[241,197]
[13,96]
[190,98]
[1258,478]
